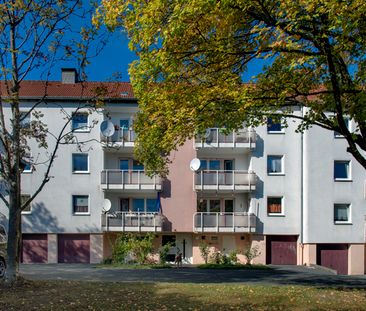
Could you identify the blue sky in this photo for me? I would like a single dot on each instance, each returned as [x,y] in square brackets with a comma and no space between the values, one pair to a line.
[115,58]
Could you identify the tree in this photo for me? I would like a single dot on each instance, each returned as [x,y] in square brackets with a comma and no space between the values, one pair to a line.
[193,54]
[34,36]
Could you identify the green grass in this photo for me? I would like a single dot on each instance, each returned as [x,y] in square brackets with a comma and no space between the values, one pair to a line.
[70,295]
[233,267]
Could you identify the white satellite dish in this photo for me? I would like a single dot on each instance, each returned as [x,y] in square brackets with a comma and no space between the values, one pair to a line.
[107,205]
[107,128]
[195,164]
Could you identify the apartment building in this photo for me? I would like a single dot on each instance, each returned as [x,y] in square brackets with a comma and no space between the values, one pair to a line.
[297,198]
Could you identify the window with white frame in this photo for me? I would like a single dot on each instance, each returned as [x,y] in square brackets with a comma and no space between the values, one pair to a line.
[208,205]
[148,205]
[347,122]
[80,122]
[342,213]
[275,164]
[274,127]
[24,198]
[80,204]
[80,163]
[27,163]
[342,170]
[275,206]
[25,119]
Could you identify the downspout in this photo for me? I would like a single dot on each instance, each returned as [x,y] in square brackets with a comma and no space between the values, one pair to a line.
[302,194]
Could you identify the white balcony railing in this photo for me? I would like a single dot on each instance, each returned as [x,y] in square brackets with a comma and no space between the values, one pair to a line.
[215,137]
[224,222]
[220,180]
[122,137]
[132,222]
[129,180]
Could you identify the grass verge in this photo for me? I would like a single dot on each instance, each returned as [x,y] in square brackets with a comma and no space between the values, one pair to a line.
[71,295]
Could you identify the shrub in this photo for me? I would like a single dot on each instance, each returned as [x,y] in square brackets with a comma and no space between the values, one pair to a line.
[251,253]
[205,251]
[233,257]
[216,257]
[130,245]
[163,252]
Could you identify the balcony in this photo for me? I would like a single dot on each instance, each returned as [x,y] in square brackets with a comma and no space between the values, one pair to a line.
[122,138]
[223,181]
[134,180]
[224,222]
[215,138]
[132,222]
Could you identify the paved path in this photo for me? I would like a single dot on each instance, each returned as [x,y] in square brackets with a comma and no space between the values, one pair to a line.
[280,275]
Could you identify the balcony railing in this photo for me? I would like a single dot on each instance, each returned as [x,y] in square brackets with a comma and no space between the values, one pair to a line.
[224,222]
[219,180]
[129,180]
[214,137]
[132,222]
[122,137]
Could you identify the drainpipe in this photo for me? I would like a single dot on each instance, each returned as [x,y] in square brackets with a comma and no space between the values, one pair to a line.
[302,194]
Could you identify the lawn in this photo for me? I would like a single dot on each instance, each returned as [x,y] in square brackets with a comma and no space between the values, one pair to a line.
[63,295]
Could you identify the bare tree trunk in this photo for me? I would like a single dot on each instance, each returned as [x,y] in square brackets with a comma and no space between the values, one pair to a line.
[14,235]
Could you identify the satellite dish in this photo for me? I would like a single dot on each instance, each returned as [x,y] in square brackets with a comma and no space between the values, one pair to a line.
[107,128]
[107,205]
[207,133]
[195,164]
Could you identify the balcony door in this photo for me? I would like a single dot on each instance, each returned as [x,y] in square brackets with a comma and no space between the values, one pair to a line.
[124,125]
[229,167]
[124,205]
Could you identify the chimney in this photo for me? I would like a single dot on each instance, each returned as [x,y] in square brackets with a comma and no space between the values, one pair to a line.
[69,76]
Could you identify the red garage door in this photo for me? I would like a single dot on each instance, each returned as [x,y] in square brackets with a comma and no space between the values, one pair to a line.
[34,248]
[282,250]
[73,248]
[333,256]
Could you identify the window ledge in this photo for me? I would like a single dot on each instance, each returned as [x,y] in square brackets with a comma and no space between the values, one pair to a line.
[26,213]
[27,172]
[275,215]
[81,131]
[81,214]
[276,132]
[81,172]
[342,223]
[276,174]
[342,180]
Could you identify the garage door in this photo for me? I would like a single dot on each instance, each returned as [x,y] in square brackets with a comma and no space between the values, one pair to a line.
[282,250]
[73,248]
[333,256]
[34,248]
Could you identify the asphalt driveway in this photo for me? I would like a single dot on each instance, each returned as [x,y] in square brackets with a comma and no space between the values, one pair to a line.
[280,275]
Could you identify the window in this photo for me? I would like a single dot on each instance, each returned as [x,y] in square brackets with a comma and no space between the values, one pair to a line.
[123,164]
[342,213]
[274,206]
[275,164]
[23,199]
[80,122]
[347,122]
[274,127]
[342,170]
[137,166]
[145,205]
[80,163]
[80,204]
[210,206]
[26,163]
[25,119]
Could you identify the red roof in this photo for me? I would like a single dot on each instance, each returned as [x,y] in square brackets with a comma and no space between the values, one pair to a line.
[52,89]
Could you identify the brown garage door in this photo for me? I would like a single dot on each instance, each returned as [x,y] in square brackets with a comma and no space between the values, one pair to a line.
[34,248]
[73,248]
[281,250]
[333,256]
